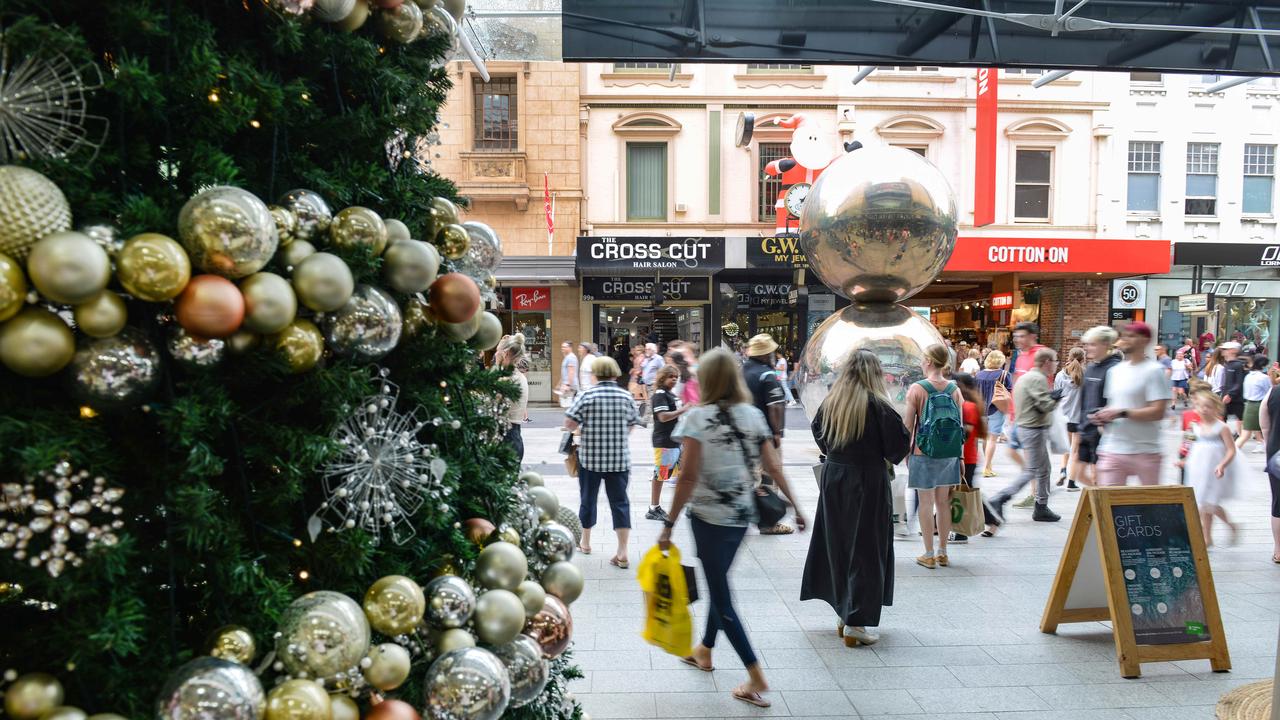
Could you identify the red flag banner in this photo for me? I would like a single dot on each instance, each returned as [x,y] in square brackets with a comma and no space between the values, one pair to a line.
[984,180]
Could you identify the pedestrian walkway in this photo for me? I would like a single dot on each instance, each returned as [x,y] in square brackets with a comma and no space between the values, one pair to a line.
[959,643]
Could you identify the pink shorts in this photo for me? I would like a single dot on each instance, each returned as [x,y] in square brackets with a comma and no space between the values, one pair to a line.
[1115,468]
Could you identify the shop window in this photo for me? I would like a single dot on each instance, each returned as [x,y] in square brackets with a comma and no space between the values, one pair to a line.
[1146,77]
[646,181]
[766,68]
[1033,185]
[642,67]
[1144,176]
[1259,178]
[767,186]
[494,114]
[1202,179]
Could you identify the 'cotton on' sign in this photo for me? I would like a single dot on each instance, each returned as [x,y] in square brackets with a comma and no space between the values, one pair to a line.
[1024,254]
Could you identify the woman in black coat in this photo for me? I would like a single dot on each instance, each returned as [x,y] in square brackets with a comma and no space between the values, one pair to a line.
[850,562]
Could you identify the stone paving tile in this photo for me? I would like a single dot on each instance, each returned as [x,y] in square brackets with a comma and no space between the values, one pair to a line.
[895,678]
[791,658]
[1088,697]
[952,655]
[651,681]
[883,702]
[1064,715]
[783,680]
[718,704]
[608,706]
[1179,712]
[819,703]
[944,701]
[613,659]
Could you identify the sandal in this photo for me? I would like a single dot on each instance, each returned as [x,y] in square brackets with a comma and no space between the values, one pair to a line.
[693,662]
[1275,559]
[988,473]
[620,564]
[584,550]
[988,533]
[779,529]
[750,696]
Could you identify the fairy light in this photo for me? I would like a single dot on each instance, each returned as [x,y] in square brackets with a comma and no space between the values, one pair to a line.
[213,96]
[306,97]
[297,543]
[255,124]
[304,575]
[88,413]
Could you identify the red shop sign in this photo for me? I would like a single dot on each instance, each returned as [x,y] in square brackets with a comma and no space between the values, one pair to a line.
[532,298]
[1003,300]
[1064,255]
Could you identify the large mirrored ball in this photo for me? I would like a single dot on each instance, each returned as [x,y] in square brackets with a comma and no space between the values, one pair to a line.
[526,668]
[367,327]
[312,213]
[879,224]
[322,633]
[894,333]
[450,602]
[209,687]
[228,231]
[114,372]
[467,684]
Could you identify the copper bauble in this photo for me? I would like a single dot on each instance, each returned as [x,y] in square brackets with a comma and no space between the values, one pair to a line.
[211,306]
[153,267]
[552,627]
[477,530]
[36,343]
[454,298]
[393,710]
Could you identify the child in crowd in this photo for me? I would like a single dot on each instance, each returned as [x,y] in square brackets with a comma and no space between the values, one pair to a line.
[975,428]
[666,451]
[1210,464]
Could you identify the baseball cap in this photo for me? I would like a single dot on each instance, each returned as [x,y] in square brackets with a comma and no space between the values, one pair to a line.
[1138,328]
[1230,345]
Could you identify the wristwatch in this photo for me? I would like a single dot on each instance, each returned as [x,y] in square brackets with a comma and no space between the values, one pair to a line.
[668,524]
[1124,413]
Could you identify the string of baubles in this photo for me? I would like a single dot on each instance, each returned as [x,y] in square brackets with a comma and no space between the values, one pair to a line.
[240,274]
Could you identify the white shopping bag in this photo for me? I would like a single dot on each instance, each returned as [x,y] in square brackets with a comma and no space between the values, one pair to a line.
[898,490]
[1059,441]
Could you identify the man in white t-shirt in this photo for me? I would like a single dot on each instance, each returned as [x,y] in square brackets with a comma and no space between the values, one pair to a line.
[1138,396]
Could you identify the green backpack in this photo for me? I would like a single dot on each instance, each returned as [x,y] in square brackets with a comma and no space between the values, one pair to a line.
[941,432]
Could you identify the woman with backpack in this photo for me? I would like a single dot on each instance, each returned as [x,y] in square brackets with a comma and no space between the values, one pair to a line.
[937,441]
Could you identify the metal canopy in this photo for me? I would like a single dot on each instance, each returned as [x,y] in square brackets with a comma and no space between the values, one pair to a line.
[1219,36]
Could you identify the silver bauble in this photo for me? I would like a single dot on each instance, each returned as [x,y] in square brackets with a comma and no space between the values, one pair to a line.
[499,616]
[331,11]
[564,580]
[526,668]
[312,211]
[195,352]
[114,372]
[894,333]
[532,479]
[294,253]
[568,517]
[322,281]
[547,502]
[410,266]
[367,327]
[879,224]
[396,231]
[489,334]
[466,684]
[553,542]
[31,206]
[209,687]
[485,250]
[400,24]
[532,595]
[501,566]
[322,633]
[269,303]
[450,602]
[438,23]
[227,231]
[106,235]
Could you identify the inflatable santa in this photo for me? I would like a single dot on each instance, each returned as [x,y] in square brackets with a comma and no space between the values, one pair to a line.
[811,153]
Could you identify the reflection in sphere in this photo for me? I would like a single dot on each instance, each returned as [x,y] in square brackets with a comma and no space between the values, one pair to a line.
[895,334]
[879,224]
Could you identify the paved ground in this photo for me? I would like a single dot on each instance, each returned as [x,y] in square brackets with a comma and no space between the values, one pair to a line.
[959,642]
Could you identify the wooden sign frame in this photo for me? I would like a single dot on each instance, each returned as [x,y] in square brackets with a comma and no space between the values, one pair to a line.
[1094,523]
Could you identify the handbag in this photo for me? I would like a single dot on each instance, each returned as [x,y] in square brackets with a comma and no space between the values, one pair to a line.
[566,442]
[1059,440]
[770,508]
[1000,396]
[691,582]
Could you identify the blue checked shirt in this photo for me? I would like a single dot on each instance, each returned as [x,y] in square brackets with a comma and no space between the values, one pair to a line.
[606,413]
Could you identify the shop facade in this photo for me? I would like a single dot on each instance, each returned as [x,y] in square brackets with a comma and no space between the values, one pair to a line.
[538,296]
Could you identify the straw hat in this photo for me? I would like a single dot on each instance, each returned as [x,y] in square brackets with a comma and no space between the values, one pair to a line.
[761,344]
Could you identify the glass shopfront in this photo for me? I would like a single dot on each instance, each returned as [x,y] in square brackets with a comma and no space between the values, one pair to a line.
[529,312]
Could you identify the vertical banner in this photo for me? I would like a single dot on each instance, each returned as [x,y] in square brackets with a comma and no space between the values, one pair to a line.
[549,208]
[984,166]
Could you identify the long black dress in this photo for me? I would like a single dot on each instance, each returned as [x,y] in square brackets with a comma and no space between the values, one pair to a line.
[850,562]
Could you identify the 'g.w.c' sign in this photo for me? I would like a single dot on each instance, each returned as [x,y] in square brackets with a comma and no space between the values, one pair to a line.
[530,298]
[780,252]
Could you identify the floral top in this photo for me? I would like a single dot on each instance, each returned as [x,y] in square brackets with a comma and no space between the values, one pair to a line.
[725,490]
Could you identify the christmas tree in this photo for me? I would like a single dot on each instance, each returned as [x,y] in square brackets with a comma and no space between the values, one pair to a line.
[249,460]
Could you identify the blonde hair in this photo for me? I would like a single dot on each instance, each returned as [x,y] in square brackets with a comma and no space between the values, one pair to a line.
[995,360]
[975,354]
[1211,399]
[605,368]
[513,346]
[938,356]
[1101,334]
[845,408]
[720,381]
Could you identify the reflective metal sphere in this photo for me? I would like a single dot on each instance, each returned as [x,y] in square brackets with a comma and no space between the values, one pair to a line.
[895,334]
[879,224]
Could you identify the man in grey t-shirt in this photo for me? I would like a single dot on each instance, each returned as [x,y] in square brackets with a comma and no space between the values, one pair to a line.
[1138,395]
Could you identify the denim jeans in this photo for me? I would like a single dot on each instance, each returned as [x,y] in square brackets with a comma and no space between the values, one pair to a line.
[717,546]
[1035,448]
[615,488]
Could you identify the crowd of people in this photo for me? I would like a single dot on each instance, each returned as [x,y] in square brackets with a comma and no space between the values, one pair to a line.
[718,421]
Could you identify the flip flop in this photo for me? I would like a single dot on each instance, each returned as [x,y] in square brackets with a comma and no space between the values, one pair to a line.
[584,550]
[988,533]
[751,697]
[694,663]
[1275,559]
[621,564]
[779,529]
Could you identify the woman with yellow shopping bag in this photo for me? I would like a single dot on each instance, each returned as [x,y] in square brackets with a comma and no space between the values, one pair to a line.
[724,440]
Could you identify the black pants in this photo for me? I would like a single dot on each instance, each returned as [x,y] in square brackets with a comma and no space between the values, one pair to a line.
[717,545]
[515,440]
[615,488]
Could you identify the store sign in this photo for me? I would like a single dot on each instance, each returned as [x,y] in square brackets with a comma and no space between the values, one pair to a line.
[1003,300]
[1066,255]
[779,252]
[640,290]
[534,298]
[1226,253]
[1128,294]
[984,164]
[764,296]
[822,302]
[632,255]
[1197,302]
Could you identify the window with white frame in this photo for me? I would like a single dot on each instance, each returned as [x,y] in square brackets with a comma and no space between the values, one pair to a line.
[1259,178]
[1033,185]
[766,68]
[646,181]
[1144,176]
[768,186]
[1202,179]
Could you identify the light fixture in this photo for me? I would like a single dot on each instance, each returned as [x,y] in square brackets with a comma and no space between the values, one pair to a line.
[1227,84]
[863,73]
[1051,76]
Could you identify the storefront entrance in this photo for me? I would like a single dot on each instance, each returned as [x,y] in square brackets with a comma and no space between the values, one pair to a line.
[623,327]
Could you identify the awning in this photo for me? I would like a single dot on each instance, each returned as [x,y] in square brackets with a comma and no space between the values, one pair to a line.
[535,270]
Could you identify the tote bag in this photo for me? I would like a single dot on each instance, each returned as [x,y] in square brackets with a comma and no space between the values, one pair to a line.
[966,510]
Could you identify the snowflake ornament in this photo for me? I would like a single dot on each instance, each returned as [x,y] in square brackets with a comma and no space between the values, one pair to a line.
[81,512]
[382,474]
[44,107]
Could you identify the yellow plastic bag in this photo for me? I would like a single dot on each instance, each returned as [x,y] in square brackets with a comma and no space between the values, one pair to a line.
[666,598]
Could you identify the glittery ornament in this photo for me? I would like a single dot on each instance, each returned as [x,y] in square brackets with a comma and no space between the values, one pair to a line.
[31,206]
[79,514]
[44,107]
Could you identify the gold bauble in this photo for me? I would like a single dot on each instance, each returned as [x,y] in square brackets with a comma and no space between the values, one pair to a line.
[417,316]
[400,24]
[32,695]
[300,343]
[454,639]
[65,712]
[323,282]
[308,207]
[394,605]
[31,207]
[444,566]
[501,566]
[101,316]
[298,700]
[36,343]
[68,267]
[488,332]
[533,596]
[242,341]
[410,266]
[295,252]
[396,231]
[441,212]
[564,580]
[153,267]
[358,227]
[355,19]
[234,643]
[227,231]
[456,8]
[13,287]
[453,241]
[491,281]
[269,303]
[389,666]
[286,223]
[342,707]
[463,331]
[506,534]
